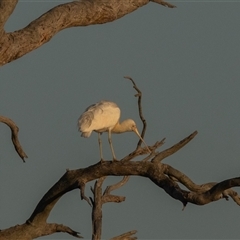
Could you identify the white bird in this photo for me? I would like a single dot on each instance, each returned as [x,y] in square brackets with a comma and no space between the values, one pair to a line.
[104,117]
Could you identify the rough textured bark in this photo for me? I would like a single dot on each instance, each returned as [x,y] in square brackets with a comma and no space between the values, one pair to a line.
[14,45]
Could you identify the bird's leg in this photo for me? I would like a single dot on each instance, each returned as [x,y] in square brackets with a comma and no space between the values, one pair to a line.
[110,143]
[100,147]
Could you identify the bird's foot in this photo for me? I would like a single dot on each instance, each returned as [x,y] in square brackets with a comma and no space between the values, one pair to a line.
[114,160]
[101,160]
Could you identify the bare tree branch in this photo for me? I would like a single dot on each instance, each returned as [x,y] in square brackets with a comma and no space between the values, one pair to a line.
[139,95]
[28,231]
[97,209]
[116,185]
[165,4]
[161,174]
[77,13]
[99,199]
[15,141]
[6,9]
[174,148]
[126,236]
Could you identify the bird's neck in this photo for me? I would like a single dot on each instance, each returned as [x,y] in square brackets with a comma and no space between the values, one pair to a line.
[120,128]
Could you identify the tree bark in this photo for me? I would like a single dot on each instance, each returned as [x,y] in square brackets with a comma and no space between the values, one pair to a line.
[14,45]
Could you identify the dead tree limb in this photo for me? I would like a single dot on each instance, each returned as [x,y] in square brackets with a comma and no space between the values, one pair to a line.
[166,153]
[139,96]
[14,45]
[99,199]
[126,236]
[162,175]
[14,130]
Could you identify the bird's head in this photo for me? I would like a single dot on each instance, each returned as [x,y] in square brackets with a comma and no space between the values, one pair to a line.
[132,127]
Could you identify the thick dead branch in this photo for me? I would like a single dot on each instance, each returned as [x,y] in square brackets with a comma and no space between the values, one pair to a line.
[161,174]
[97,209]
[15,141]
[155,171]
[6,9]
[28,231]
[77,13]
[204,193]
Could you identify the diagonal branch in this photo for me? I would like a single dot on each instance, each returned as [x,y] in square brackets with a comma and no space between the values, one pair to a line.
[72,14]
[115,186]
[174,148]
[126,236]
[165,4]
[6,9]
[15,141]
[28,231]
[164,176]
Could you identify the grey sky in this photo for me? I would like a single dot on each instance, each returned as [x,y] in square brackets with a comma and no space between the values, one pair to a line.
[186,61]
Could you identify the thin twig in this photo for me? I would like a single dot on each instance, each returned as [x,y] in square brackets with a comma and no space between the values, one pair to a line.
[139,95]
[163,3]
[142,151]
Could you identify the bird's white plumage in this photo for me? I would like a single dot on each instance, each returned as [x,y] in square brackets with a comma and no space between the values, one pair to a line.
[104,117]
[99,117]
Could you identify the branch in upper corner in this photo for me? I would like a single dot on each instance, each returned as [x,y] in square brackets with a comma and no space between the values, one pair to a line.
[72,14]
[139,95]
[6,9]
[165,4]
[14,129]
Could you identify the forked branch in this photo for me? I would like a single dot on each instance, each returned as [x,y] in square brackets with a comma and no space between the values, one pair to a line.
[99,199]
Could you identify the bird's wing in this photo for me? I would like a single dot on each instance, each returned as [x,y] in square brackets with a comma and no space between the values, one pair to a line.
[85,120]
[99,116]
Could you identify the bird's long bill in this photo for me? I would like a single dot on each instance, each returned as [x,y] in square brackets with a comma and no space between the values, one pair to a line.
[136,131]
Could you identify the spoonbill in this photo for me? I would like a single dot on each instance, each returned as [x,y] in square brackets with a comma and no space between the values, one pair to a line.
[104,117]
